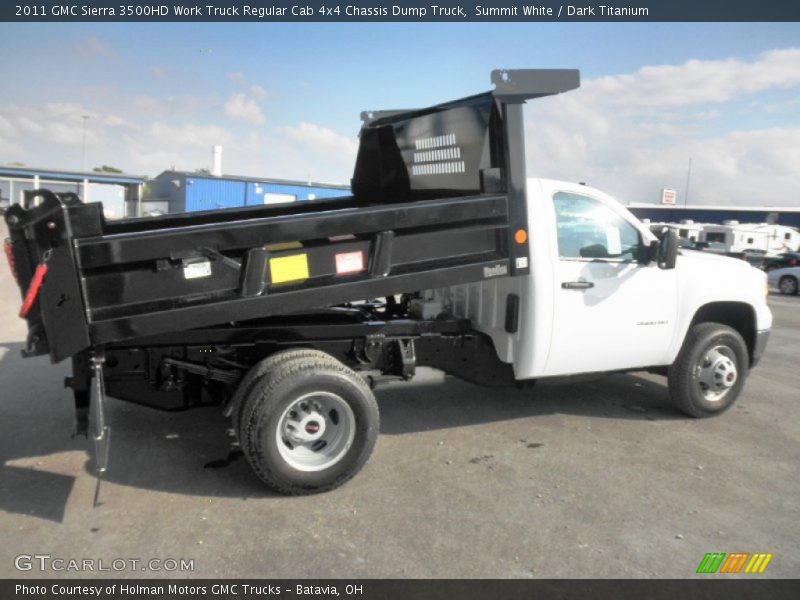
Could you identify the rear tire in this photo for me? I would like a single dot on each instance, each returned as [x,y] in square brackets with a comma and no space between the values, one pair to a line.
[788,285]
[709,373]
[263,367]
[308,425]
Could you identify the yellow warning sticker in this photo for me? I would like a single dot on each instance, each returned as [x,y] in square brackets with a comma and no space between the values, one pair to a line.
[288,268]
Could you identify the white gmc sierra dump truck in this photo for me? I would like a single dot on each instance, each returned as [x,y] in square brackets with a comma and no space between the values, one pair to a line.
[473,269]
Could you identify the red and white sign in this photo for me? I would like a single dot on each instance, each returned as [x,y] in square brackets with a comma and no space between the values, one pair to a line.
[668,196]
[349,262]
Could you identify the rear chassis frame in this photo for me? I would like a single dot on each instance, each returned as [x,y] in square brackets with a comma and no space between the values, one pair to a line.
[203,367]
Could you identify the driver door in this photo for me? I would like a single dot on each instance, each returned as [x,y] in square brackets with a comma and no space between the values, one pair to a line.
[610,310]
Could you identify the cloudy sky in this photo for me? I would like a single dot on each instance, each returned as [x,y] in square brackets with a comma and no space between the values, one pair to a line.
[284,99]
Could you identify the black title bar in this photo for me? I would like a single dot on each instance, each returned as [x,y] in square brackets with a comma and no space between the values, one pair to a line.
[399,11]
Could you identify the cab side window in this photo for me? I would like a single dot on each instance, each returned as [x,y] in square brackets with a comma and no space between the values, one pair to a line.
[589,230]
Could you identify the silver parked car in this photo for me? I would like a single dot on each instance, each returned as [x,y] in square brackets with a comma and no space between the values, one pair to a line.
[785,279]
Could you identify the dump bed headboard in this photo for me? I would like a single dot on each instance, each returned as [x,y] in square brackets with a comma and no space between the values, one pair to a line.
[456,148]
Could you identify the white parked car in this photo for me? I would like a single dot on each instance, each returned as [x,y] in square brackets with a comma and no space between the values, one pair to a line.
[786,279]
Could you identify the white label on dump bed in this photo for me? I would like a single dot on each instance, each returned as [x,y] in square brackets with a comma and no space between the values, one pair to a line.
[349,262]
[195,270]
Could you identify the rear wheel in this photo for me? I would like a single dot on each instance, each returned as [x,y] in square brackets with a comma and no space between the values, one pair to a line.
[263,367]
[308,425]
[709,373]
[788,285]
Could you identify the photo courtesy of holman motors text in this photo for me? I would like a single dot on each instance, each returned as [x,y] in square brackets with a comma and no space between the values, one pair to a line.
[186,589]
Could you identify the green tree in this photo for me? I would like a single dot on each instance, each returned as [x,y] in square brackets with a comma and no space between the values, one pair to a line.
[107,169]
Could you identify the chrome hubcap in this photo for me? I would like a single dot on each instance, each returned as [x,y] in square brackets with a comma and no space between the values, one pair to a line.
[716,373]
[316,431]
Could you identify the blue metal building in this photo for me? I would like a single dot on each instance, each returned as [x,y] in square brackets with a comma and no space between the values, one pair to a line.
[784,215]
[183,191]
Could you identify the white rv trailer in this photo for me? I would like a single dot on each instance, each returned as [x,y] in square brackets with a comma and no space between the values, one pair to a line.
[687,229]
[738,237]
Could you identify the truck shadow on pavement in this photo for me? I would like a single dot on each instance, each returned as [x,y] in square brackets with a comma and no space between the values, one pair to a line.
[412,408]
[190,453]
[34,432]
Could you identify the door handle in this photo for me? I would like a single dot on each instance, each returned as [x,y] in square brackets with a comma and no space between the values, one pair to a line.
[577,285]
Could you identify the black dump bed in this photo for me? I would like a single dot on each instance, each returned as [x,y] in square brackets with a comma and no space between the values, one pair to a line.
[437,196]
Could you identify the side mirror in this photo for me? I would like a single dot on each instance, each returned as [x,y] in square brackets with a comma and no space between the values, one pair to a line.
[668,250]
[649,254]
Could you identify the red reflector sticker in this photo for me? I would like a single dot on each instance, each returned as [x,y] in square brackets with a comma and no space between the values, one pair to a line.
[349,262]
[33,290]
[10,257]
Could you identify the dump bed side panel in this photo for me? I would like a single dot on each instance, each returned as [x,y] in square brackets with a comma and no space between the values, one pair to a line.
[105,287]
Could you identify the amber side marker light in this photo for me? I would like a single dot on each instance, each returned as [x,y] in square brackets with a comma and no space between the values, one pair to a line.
[521,236]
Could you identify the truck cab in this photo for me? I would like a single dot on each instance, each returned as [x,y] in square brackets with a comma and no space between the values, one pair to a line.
[597,299]
[602,281]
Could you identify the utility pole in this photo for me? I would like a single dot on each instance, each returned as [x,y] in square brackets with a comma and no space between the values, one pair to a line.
[83,153]
[688,177]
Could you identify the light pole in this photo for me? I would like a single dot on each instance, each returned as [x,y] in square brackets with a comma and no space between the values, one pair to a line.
[688,177]
[83,153]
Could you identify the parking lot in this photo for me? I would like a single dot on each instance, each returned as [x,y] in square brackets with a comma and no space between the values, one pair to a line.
[593,479]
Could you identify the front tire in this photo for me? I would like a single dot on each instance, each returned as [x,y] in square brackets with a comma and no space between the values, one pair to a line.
[308,425]
[788,285]
[709,373]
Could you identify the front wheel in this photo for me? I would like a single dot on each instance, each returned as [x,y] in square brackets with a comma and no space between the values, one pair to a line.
[308,425]
[788,285]
[709,373]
